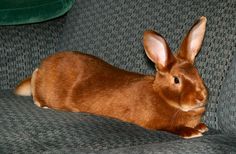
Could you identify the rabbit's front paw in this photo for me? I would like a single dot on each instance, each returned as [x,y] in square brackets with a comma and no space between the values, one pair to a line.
[201,127]
[187,132]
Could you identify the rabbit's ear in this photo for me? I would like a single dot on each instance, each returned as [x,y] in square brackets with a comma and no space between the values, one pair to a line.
[157,50]
[193,40]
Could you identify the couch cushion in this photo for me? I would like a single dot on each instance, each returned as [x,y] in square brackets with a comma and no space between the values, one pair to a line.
[27,11]
[25,127]
[211,144]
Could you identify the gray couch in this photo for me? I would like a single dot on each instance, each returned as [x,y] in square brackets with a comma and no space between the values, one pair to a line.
[112,30]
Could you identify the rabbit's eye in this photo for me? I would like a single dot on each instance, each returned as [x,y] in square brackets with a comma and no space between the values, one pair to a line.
[176,79]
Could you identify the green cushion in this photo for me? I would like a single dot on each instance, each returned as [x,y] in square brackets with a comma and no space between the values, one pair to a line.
[14,12]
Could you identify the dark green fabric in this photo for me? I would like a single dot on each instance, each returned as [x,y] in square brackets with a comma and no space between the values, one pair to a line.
[14,12]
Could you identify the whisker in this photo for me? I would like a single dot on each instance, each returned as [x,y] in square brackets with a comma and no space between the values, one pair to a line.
[174,117]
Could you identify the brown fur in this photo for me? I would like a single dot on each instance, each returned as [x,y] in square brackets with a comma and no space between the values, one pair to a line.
[72,81]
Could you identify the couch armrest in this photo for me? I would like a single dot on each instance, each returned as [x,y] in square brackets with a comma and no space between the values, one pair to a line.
[227,101]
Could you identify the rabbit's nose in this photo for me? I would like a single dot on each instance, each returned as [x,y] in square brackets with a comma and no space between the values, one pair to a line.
[200,98]
[200,103]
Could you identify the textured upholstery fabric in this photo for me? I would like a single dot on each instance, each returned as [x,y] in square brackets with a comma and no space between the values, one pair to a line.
[227,102]
[212,144]
[14,12]
[112,30]
[23,47]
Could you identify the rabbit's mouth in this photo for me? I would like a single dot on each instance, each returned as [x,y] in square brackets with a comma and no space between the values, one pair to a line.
[198,108]
[189,108]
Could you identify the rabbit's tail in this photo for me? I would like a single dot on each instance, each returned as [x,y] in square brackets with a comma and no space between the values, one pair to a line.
[24,88]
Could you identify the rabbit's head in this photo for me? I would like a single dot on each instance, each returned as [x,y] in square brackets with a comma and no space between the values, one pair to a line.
[177,80]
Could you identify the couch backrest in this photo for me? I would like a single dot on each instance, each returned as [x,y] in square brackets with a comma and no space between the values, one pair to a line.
[22,47]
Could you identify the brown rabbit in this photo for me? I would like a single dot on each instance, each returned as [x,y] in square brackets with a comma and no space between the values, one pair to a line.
[173,100]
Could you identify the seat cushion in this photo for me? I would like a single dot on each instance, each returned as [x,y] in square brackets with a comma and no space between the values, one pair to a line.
[27,11]
[25,127]
[210,144]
